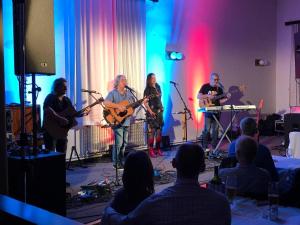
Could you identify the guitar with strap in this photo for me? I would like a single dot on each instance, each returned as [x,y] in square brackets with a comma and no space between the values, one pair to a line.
[207,100]
[115,117]
[53,127]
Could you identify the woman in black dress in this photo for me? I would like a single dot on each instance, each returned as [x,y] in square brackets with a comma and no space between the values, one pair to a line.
[154,115]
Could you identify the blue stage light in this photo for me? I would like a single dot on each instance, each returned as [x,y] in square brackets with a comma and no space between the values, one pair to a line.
[179,56]
[172,55]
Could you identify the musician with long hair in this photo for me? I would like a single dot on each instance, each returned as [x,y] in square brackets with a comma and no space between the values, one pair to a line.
[58,107]
[114,97]
[154,115]
[209,93]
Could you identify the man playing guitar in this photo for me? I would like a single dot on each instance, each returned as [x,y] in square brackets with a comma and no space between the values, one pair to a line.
[58,109]
[208,94]
[113,102]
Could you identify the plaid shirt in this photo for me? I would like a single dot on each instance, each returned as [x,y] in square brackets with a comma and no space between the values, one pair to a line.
[185,203]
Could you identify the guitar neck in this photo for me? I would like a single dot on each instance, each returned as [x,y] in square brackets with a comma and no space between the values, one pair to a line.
[89,106]
[220,96]
[138,102]
[135,104]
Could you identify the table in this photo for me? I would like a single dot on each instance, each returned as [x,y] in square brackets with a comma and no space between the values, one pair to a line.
[246,212]
[286,163]
[289,180]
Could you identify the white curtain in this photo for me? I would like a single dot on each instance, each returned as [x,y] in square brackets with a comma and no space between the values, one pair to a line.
[108,39]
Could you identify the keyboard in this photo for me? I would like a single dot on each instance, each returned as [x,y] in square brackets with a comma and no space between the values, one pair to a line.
[227,108]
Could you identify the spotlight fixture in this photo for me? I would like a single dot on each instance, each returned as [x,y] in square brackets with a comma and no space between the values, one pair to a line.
[172,55]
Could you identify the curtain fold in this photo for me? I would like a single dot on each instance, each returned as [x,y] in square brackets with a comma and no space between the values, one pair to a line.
[108,39]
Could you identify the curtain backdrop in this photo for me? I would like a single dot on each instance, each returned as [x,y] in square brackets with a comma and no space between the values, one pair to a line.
[107,39]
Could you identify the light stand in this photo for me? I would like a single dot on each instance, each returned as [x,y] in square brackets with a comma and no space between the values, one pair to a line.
[186,111]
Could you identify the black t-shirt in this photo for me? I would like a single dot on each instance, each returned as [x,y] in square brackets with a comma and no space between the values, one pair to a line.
[154,102]
[57,105]
[207,88]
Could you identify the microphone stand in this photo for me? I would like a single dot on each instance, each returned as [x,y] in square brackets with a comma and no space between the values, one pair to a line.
[186,111]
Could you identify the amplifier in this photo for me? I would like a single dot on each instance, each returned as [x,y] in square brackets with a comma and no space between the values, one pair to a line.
[13,119]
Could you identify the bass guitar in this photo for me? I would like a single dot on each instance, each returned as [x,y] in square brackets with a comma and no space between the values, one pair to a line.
[115,117]
[53,127]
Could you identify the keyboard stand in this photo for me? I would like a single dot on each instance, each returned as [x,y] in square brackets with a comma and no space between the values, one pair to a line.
[215,151]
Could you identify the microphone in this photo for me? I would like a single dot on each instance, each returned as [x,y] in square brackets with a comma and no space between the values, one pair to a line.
[172,82]
[88,91]
[129,88]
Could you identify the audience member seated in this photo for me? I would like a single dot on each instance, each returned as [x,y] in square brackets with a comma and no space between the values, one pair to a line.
[137,183]
[263,157]
[184,203]
[252,181]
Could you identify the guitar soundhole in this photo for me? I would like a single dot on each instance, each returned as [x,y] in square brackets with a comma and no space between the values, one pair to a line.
[121,114]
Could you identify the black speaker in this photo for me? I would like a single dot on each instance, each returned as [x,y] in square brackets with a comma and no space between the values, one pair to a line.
[39,180]
[297,55]
[34,29]
[291,123]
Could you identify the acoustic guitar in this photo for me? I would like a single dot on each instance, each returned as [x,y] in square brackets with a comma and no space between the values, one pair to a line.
[115,117]
[207,100]
[52,126]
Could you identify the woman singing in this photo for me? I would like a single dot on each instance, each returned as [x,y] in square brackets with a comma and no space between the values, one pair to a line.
[154,115]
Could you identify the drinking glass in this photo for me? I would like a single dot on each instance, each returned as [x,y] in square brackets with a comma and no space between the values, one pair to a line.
[273,196]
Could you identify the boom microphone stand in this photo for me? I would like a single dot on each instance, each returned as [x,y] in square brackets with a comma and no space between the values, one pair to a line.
[186,111]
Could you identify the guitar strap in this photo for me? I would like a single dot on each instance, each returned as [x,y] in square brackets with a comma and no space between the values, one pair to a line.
[114,97]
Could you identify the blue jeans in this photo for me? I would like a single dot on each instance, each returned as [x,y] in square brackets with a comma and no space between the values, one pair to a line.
[121,140]
[210,125]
